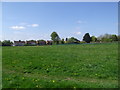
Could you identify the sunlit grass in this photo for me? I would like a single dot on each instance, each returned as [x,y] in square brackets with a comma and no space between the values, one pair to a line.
[65,66]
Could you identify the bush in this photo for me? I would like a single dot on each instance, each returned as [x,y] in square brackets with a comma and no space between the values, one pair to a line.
[72,40]
[7,43]
[82,42]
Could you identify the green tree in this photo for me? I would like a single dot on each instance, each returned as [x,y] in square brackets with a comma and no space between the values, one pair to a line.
[32,40]
[93,39]
[66,39]
[114,37]
[73,40]
[62,41]
[118,37]
[7,43]
[55,37]
[42,40]
[87,38]
[105,38]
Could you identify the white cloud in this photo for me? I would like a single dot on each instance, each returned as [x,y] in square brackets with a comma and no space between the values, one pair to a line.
[35,25]
[78,33]
[17,27]
[32,25]
[23,25]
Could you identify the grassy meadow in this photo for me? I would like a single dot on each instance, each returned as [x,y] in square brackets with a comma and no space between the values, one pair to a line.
[61,66]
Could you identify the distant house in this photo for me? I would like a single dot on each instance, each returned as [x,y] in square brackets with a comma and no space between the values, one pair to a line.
[19,43]
[41,42]
[49,42]
[31,42]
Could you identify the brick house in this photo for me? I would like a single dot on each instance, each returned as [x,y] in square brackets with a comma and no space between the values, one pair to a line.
[41,42]
[49,42]
[19,43]
[31,42]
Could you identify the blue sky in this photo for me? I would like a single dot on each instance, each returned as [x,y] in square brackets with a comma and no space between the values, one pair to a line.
[37,20]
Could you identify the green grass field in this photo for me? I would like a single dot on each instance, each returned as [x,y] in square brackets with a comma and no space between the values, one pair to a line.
[61,66]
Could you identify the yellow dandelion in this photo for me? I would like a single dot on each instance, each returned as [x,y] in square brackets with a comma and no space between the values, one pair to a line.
[37,86]
[74,87]
[53,81]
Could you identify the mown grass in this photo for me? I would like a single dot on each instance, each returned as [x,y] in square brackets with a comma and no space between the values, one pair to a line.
[61,66]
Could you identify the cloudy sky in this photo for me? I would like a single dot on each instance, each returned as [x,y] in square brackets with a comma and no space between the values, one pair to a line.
[37,20]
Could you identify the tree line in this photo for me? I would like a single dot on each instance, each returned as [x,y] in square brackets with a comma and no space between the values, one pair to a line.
[86,39]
